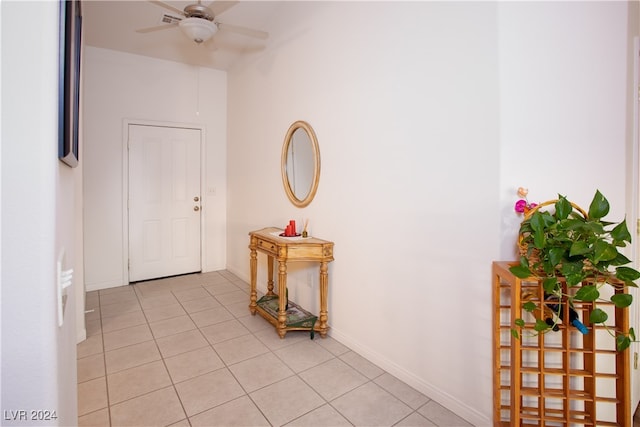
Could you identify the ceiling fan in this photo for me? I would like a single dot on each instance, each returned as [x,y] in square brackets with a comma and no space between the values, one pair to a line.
[198,22]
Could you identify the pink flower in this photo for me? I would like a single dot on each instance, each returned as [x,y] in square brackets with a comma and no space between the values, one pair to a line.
[521,205]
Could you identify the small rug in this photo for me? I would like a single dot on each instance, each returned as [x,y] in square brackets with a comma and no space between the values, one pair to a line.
[297,317]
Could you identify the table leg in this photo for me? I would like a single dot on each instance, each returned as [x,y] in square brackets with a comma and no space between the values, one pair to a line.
[324,285]
[282,297]
[270,275]
[253,263]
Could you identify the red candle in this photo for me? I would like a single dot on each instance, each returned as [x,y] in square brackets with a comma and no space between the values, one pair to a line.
[292,224]
[287,230]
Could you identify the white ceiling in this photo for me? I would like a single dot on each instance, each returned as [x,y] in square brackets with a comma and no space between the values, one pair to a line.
[112,24]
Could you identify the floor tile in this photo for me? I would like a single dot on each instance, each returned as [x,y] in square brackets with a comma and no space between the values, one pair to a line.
[192,364]
[271,339]
[92,345]
[125,337]
[441,416]
[239,349]
[334,346]
[155,301]
[401,390]
[286,400]
[363,366]
[221,288]
[92,395]
[323,416]
[92,300]
[207,391]
[148,289]
[181,343]
[119,308]
[260,371]
[133,382]
[125,296]
[415,420]
[158,408]
[333,378]
[238,412]
[240,308]
[191,294]
[200,304]
[164,312]
[98,418]
[186,351]
[303,355]
[224,331]
[255,323]
[163,328]
[131,356]
[211,316]
[93,327]
[91,367]
[123,321]
[233,297]
[371,405]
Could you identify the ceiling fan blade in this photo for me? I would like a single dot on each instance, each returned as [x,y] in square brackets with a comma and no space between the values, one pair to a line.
[221,6]
[156,28]
[243,30]
[167,6]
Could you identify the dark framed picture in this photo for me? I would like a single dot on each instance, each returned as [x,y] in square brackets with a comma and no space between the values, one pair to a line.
[69,81]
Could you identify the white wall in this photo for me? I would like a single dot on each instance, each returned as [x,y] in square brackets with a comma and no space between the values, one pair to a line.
[39,220]
[404,101]
[429,115]
[120,87]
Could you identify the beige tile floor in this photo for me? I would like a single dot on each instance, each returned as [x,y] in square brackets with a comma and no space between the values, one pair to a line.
[185,351]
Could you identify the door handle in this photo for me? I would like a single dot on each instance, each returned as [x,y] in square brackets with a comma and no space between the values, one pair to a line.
[196,208]
[196,199]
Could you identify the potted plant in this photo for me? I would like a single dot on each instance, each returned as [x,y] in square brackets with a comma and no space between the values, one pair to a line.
[559,242]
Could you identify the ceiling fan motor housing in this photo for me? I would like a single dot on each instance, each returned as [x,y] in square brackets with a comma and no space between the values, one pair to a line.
[198,11]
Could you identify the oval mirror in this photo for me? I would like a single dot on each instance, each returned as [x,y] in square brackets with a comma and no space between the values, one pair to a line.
[300,163]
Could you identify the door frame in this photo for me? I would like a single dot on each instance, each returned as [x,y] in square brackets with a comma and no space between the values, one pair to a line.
[125,185]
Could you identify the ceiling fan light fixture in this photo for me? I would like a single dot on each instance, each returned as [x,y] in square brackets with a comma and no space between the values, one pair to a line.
[198,29]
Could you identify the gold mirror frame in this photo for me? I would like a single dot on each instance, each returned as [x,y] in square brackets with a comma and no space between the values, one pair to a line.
[316,163]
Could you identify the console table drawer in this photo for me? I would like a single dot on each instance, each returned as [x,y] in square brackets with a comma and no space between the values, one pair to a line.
[268,246]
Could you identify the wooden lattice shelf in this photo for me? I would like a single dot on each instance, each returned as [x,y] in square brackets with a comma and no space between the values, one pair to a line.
[558,378]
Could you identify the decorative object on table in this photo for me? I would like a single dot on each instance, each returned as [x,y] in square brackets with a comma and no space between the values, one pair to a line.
[305,234]
[290,230]
[566,244]
[297,317]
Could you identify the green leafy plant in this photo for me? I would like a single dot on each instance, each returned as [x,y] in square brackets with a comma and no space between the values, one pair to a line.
[579,248]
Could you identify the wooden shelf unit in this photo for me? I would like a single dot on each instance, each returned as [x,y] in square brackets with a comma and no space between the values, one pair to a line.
[558,378]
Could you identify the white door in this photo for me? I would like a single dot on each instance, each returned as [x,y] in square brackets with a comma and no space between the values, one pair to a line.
[164,201]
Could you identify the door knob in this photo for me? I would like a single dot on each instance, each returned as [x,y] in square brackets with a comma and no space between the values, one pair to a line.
[196,208]
[195,199]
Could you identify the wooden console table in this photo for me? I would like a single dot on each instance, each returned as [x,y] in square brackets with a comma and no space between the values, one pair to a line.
[285,249]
